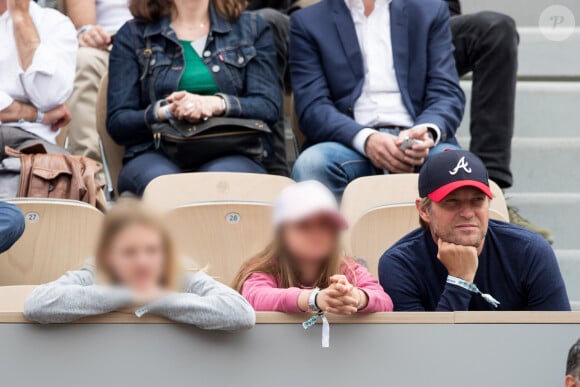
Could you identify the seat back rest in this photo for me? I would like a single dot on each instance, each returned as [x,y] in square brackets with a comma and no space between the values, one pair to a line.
[221,236]
[59,236]
[379,229]
[172,191]
[367,193]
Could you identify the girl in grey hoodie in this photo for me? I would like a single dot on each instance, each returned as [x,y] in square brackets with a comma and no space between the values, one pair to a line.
[136,267]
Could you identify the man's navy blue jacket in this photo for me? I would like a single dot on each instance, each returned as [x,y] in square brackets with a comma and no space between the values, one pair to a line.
[516,266]
[328,73]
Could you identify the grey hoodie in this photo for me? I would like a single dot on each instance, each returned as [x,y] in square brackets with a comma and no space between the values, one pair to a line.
[205,302]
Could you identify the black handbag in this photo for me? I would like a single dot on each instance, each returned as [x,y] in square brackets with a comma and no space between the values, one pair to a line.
[191,145]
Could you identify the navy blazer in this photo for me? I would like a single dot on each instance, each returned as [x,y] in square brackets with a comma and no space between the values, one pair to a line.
[328,73]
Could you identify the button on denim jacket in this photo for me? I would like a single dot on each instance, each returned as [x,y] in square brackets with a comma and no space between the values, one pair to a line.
[240,55]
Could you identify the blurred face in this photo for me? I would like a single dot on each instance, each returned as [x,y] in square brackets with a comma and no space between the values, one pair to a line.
[312,240]
[136,257]
[461,218]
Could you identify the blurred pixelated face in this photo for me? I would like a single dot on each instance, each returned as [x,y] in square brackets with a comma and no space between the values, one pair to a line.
[312,240]
[136,257]
[461,218]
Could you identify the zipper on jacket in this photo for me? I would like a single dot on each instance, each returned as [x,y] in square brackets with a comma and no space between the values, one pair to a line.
[157,140]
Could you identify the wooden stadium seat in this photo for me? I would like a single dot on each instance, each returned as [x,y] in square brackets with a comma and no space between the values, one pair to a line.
[171,191]
[379,229]
[112,153]
[381,210]
[221,236]
[59,236]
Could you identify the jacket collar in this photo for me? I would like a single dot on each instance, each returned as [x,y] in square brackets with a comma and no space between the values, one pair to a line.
[218,24]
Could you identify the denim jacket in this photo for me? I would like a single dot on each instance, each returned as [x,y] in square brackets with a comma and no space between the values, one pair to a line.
[240,55]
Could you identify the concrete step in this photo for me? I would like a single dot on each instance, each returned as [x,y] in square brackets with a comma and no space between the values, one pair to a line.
[544,164]
[543,59]
[525,12]
[558,212]
[543,109]
[569,261]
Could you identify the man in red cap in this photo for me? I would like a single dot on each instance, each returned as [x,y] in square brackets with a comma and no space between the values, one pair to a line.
[460,260]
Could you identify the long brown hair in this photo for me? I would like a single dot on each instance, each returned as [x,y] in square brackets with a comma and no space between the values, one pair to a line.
[276,261]
[128,213]
[153,10]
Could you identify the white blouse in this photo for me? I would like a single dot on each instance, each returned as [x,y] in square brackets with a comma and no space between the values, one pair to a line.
[48,81]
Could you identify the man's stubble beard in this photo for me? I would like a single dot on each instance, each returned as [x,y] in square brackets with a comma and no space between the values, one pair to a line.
[450,238]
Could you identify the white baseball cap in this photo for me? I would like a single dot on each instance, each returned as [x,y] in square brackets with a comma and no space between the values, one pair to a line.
[303,200]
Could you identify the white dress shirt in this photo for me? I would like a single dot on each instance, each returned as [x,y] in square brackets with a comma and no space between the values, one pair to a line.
[380,102]
[48,81]
[112,14]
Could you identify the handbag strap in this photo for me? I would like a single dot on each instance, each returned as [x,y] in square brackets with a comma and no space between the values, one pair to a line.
[148,53]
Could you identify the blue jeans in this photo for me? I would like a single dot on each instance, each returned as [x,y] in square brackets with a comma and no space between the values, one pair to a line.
[336,165]
[11,225]
[140,170]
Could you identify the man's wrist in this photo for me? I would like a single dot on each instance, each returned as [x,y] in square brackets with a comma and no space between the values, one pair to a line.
[434,131]
[39,117]
[471,287]
[84,29]
[26,112]
[359,143]
[19,17]
[469,277]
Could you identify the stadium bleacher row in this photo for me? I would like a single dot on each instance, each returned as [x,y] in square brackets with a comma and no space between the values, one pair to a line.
[547,192]
[558,206]
[221,219]
[218,224]
[549,82]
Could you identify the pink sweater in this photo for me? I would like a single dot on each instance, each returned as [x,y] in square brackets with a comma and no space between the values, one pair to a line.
[262,291]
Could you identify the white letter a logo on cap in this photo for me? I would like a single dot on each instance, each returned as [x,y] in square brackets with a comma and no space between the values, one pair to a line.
[462,164]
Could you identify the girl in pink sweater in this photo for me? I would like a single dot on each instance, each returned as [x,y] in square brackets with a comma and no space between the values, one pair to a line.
[303,269]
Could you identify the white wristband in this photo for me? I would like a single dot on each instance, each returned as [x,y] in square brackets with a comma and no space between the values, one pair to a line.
[84,29]
[472,288]
[39,117]
[167,112]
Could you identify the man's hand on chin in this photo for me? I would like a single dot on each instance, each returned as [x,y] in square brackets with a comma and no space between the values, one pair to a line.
[460,261]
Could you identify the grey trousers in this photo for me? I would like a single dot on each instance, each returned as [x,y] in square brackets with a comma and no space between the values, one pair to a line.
[18,139]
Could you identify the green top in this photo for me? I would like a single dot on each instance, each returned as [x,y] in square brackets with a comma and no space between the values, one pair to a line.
[196,77]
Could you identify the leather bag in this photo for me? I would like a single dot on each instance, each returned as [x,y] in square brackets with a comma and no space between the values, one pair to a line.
[191,145]
[59,176]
